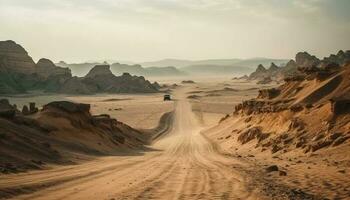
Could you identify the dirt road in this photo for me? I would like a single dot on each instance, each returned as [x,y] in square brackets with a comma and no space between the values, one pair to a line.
[180,165]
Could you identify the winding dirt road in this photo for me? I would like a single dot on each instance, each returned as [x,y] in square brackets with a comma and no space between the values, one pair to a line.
[182,165]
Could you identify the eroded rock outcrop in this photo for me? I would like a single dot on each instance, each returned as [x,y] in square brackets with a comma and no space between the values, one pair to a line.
[15,58]
[305,66]
[19,74]
[310,112]
[305,60]
[46,68]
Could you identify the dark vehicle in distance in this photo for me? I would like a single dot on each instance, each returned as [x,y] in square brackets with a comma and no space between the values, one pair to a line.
[167,97]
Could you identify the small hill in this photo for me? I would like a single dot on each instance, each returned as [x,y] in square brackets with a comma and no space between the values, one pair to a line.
[61,133]
[308,112]
[14,58]
[101,79]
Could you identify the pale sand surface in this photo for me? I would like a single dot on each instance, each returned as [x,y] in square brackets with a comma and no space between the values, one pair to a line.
[182,165]
[194,160]
[216,97]
[140,111]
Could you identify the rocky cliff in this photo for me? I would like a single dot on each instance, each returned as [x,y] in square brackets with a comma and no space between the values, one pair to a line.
[303,63]
[46,68]
[19,74]
[14,58]
[308,113]
[101,79]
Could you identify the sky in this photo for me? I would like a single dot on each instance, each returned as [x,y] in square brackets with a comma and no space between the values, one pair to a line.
[145,30]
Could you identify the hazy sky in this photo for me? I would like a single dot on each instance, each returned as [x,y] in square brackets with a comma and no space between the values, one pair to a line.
[142,30]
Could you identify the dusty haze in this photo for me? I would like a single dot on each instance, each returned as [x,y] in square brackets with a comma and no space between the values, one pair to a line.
[143,30]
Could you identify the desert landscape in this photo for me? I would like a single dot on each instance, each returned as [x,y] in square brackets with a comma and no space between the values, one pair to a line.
[124,100]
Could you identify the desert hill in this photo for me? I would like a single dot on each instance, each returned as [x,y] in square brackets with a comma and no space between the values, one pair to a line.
[81,69]
[298,134]
[302,60]
[19,74]
[300,129]
[101,78]
[61,133]
[311,110]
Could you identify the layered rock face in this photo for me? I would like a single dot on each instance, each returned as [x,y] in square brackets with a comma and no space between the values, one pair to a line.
[19,73]
[263,75]
[304,64]
[308,113]
[14,58]
[304,59]
[99,70]
[46,68]
[101,79]
[341,58]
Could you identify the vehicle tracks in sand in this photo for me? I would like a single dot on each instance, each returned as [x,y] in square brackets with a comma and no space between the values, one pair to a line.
[186,166]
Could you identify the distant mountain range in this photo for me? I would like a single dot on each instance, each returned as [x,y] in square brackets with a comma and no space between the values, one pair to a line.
[250,63]
[81,69]
[176,67]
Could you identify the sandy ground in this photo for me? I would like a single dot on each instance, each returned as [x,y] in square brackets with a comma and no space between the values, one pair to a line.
[141,111]
[138,111]
[186,163]
[181,165]
[216,98]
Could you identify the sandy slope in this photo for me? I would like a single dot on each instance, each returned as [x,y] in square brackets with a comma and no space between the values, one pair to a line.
[180,165]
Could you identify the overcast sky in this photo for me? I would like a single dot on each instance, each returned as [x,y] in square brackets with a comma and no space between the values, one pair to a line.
[143,30]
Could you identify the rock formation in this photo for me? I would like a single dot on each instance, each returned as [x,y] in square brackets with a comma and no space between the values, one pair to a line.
[99,70]
[304,64]
[15,58]
[101,79]
[265,76]
[19,73]
[46,68]
[305,60]
[28,143]
[307,112]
